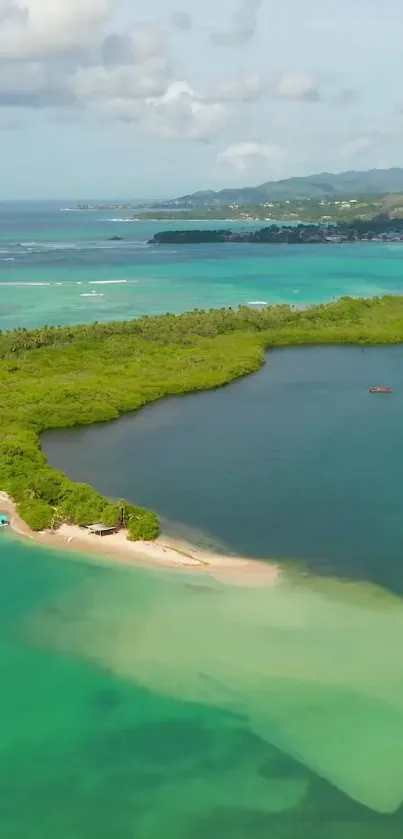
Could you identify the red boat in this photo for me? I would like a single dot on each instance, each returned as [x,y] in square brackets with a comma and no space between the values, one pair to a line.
[380,390]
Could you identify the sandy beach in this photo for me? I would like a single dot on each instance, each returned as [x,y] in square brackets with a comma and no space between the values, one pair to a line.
[163,552]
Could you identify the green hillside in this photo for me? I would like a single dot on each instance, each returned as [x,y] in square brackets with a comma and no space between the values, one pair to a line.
[336,210]
[323,185]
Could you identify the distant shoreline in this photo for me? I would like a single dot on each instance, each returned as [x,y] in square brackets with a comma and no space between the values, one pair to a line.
[164,552]
[377,230]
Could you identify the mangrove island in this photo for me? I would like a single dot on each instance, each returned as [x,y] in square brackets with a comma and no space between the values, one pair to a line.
[59,377]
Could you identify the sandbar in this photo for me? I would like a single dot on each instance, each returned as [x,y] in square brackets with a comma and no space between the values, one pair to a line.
[165,551]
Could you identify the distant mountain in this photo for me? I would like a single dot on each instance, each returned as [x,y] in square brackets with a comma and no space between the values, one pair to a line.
[324,185]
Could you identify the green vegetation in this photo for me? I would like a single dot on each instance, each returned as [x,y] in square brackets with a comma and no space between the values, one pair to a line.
[66,376]
[325,209]
[320,185]
[380,228]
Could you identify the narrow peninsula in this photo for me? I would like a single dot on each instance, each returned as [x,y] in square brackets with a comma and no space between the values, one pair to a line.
[59,377]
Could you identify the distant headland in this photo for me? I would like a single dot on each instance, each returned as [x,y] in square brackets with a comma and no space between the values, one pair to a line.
[319,186]
[381,228]
[322,197]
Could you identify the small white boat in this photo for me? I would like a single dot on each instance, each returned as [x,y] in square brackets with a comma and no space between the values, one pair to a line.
[380,390]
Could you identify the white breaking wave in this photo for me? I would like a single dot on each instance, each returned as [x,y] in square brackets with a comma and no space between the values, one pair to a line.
[107,282]
[92,294]
[56,246]
[50,247]
[257,303]
[25,285]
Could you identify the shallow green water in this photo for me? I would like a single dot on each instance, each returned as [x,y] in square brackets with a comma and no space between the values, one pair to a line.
[136,706]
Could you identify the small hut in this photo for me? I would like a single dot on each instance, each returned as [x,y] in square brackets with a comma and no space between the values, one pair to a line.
[101,529]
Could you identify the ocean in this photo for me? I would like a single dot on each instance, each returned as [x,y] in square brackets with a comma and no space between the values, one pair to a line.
[59,266]
[141,704]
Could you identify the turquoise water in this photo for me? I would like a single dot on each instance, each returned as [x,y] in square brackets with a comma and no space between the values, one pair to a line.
[140,706]
[137,705]
[304,680]
[59,267]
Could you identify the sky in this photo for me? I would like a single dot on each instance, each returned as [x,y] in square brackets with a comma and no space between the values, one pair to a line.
[126,99]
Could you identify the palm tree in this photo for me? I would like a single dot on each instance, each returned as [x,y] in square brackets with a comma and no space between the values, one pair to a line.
[122,517]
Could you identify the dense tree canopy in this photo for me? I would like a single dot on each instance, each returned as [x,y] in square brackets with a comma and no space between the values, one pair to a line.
[64,376]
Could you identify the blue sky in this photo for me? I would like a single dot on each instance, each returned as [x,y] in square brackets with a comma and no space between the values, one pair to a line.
[104,98]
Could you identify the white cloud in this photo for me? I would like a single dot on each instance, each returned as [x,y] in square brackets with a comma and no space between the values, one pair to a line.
[182,20]
[298,86]
[182,114]
[245,22]
[33,84]
[353,150]
[242,90]
[244,156]
[345,97]
[67,53]
[126,82]
[244,25]
[73,55]
[78,58]
[33,29]
[130,66]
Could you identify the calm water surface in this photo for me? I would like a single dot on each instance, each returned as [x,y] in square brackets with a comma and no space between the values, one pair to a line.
[296,462]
